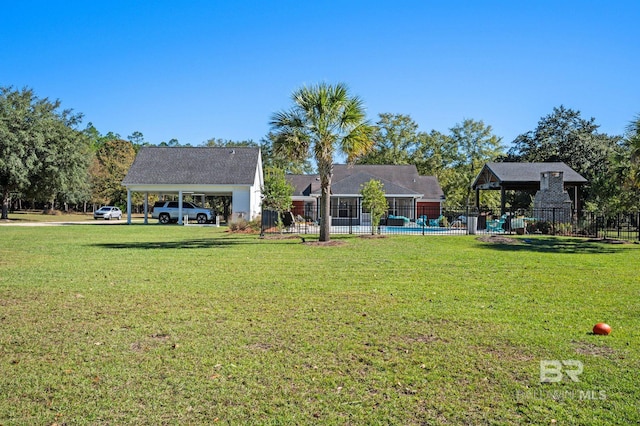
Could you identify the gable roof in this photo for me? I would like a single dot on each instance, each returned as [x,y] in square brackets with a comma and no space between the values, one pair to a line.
[194,165]
[304,185]
[398,180]
[522,175]
[431,187]
[399,174]
[352,185]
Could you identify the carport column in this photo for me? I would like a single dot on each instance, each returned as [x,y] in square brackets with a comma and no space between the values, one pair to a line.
[128,206]
[146,208]
[180,207]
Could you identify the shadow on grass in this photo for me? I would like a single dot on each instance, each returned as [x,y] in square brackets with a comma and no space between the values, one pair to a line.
[554,245]
[186,244]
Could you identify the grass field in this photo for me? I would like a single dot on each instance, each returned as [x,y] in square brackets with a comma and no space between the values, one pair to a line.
[189,325]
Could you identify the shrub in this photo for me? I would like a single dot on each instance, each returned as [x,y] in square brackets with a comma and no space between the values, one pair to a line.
[242,225]
[540,227]
[564,229]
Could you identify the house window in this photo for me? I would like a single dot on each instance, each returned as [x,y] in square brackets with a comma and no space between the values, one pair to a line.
[344,207]
[401,207]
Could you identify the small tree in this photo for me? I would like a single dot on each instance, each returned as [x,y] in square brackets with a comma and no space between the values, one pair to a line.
[374,200]
[276,192]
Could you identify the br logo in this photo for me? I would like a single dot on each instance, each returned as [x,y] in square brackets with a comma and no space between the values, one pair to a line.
[552,371]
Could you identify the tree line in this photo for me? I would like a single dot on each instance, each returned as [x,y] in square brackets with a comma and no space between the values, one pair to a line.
[47,159]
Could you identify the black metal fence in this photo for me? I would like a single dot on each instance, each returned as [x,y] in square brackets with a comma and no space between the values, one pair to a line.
[416,221]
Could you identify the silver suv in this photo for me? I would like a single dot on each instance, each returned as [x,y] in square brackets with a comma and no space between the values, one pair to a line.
[167,211]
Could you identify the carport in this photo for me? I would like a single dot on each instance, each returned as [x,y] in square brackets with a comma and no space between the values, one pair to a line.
[198,171]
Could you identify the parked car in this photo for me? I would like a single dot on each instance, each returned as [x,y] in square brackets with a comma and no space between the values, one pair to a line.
[108,212]
[167,211]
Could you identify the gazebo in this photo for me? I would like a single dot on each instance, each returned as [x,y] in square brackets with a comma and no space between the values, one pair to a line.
[523,177]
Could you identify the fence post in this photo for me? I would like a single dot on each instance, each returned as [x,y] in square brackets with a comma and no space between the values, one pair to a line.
[466,213]
[350,220]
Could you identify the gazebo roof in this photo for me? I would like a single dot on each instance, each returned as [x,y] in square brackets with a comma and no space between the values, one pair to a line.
[510,176]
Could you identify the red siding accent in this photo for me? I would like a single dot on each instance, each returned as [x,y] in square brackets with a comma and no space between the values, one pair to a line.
[429,208]
[298,208]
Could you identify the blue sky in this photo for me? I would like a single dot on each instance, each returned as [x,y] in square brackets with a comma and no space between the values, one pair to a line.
[196,70]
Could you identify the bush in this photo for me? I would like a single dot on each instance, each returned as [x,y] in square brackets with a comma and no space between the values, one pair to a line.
[238,225]
[564,229]
[242,225]
[52,212]
[540,227]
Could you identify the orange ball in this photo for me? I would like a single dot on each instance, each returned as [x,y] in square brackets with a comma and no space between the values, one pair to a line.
[601,328]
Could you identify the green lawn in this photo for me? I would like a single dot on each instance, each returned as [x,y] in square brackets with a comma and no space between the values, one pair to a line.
[22,217]
[190,325]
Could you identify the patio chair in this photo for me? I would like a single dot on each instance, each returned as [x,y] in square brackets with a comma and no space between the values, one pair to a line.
[288,220]
[495,225]
[422,220]
[435,222]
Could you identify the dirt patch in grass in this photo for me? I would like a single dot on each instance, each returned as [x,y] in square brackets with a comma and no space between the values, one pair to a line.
[331,243]
[607,241]
[260,346]
[281,237]
[585,348]
[373,236]
[303,240]
[243,231]
[498,239]
[422,338]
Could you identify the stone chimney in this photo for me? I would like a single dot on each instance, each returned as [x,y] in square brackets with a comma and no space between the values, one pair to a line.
[552,202]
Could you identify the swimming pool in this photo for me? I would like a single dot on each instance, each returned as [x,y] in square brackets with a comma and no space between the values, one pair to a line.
[356,229]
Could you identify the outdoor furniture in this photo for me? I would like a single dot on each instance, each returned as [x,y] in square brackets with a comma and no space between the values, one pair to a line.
[393,220]
[435,222]
[496,225]
[288,220]
[518,223]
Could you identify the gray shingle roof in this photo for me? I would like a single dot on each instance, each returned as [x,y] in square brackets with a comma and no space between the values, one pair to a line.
[430,187]
[352,185]
[397,180]
[194,165]
[526,173]
[304,185]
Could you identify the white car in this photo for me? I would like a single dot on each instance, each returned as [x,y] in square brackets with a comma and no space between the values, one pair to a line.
[108,212]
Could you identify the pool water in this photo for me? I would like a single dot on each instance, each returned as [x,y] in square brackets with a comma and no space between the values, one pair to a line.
[396,230]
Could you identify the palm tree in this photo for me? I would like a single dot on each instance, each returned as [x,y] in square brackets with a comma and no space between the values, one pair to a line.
[324,118]
[633,140]
[633,136]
